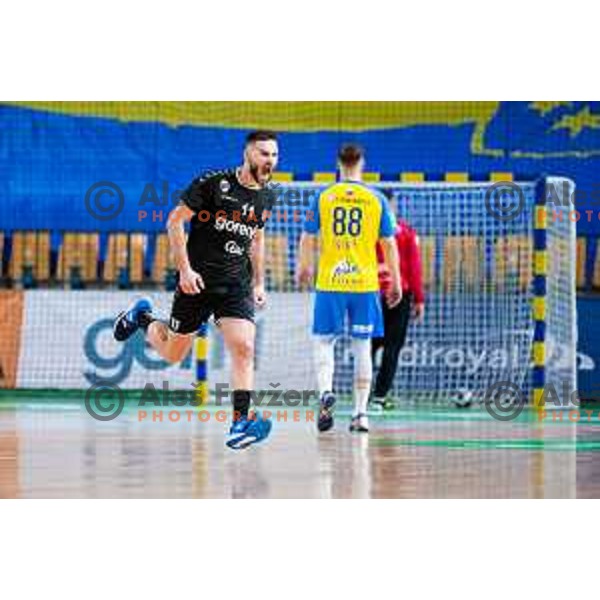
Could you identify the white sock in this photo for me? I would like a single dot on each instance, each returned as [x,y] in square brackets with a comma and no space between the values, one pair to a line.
[361,397]
[324,362]
[363,373]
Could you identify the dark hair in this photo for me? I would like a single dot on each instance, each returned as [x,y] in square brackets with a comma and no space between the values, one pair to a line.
[350,154]
[261,135]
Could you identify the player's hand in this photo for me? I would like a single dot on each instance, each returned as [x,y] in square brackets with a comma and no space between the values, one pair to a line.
[190,282]
[304,276]
[260,296]
[394,296]
[419,312]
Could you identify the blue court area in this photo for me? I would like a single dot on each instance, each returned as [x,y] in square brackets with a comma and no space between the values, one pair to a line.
[50,447]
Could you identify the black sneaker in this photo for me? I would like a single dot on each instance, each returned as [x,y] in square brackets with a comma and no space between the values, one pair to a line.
[380,405]
[325,421]
[359,423]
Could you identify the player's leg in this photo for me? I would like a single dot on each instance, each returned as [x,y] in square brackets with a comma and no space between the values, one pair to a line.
[377,402]
[171,346]
[238,336]
[366,322]
[377,344]
[324,355]
[174,340]
[235,314]
[395,326]
[328,322]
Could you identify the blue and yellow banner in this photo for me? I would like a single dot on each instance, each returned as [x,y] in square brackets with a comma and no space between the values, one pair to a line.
[52,152]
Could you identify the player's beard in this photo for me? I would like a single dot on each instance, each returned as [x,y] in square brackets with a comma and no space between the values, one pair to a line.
[261,177]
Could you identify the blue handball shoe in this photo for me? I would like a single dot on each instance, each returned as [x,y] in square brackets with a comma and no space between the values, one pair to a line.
[127,322]
[247,431]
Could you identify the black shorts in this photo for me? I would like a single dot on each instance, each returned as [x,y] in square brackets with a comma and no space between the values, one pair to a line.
[190,311]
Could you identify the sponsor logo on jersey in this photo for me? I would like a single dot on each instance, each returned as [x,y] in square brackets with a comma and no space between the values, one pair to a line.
[344,268]
[232,248]
[236,227]
[225,186]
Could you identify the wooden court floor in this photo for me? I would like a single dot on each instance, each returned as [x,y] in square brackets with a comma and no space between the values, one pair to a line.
[56,450]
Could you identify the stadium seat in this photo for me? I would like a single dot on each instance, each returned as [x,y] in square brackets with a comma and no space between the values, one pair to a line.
[513,256]
[30,255]
[125,258]
[463,260]
[580,277]
[452,263]
[78,251]
[596,278]
[427,247]
[276,262]
[137,249]
[163,260]
[474,261]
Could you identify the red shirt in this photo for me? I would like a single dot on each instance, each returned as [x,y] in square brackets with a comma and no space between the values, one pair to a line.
[410,263]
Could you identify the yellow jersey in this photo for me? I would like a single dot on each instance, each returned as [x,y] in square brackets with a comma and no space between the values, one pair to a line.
[349,218]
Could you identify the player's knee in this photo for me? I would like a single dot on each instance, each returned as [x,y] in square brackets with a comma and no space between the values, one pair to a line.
[243,349]
[361,349]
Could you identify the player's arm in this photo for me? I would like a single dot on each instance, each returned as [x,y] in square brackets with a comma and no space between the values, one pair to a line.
[416,276]
[308,244]
[196,197]
[387,229]
[306,251]
[258,267]
[392,261]
[189,281]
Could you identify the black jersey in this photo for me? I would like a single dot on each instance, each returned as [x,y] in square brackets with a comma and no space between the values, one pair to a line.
[227,216]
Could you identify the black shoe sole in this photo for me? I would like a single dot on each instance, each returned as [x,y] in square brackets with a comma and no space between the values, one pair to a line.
[325,421]
[358,429]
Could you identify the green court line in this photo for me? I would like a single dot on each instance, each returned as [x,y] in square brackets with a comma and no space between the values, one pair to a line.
[416,413]
[55,398]
[495,444]
[34,400]
[408,415]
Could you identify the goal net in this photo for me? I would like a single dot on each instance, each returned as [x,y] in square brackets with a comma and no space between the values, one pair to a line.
[478,253]
[479,260]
